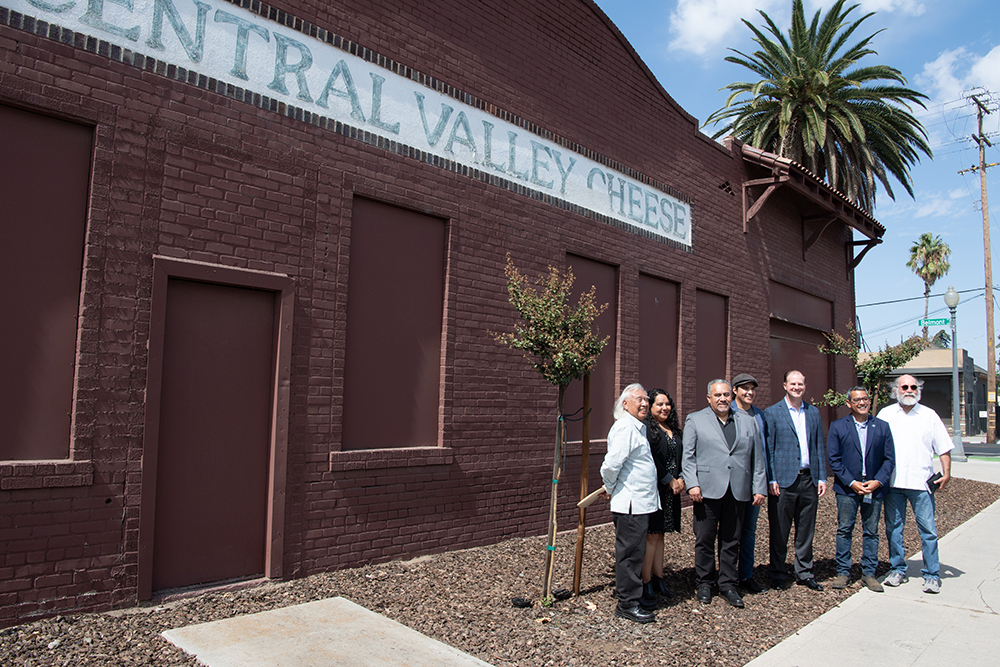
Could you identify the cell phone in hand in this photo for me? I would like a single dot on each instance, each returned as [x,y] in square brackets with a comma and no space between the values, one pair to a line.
[932,482]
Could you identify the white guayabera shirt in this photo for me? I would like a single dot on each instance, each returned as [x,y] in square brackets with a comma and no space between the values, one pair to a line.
[918,437]
[628,470]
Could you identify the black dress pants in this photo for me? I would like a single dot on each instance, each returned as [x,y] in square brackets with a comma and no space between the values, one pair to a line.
[796,505]
[630,549]
[717,520]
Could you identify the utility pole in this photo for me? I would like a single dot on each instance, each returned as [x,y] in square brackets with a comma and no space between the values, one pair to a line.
[991,373]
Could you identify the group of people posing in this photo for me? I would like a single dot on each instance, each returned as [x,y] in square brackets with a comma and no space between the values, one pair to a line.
[732,456]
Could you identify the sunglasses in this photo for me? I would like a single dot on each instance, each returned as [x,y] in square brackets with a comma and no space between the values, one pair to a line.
[907,387]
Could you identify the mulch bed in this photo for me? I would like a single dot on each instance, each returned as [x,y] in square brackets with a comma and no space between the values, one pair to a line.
[463,598]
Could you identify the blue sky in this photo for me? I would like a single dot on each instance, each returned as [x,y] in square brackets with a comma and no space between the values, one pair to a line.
[944,49]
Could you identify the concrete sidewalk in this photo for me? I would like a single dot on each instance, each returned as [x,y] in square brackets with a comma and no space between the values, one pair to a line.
[904,626]
[326,633]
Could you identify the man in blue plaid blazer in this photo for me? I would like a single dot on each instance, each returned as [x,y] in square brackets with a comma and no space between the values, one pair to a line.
[796,475]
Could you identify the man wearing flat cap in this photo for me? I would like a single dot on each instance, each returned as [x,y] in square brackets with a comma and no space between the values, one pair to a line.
[744,393]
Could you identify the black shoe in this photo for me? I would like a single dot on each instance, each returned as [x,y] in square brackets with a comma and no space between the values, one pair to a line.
[634,612]
[810,583]
[751,586]
[780,584]
[648,599]
[732,597]
[660,587]
[704,594]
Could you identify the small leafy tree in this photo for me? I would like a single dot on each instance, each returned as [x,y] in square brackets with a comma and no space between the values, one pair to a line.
[873,370]
[562,346]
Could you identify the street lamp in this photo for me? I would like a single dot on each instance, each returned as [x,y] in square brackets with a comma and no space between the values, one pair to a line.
[958,453]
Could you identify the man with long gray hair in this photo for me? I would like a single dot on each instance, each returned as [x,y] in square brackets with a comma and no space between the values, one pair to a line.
[917,435]
[629,476]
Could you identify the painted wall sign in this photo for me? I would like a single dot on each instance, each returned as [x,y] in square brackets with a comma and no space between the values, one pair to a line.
[233,45]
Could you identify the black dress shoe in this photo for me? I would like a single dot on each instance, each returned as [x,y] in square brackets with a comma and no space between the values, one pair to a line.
[732,597]
[751,586]
[704,594]
[634,612]
[810,583]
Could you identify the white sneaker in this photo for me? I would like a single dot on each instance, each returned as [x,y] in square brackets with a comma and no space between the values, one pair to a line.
[932,585]
[895,578]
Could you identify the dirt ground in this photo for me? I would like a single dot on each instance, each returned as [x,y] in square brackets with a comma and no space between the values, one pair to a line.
[463,598]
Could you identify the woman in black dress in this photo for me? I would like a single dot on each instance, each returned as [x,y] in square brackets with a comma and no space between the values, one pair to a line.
[664,434]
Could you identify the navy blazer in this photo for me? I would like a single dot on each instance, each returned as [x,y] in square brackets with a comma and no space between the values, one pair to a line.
[782,456]
[844,449]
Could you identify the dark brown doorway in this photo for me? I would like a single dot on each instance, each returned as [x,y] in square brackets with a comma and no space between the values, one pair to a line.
[213,449]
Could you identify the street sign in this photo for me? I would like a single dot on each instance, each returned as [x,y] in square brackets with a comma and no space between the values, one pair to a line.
[931,323]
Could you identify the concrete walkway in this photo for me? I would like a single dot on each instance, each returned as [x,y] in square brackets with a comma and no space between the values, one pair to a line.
[326,633]
[904,626]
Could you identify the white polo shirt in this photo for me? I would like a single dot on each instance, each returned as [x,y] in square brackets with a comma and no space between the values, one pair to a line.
[917,436]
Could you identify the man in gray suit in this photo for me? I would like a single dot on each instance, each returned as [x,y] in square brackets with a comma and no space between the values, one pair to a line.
[723,468]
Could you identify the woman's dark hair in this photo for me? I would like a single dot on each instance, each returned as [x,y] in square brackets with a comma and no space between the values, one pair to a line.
[673,421]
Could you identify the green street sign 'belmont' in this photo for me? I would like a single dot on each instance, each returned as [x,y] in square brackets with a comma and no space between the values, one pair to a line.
[931,323]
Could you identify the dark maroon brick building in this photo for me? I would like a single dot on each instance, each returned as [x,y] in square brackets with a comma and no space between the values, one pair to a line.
[252,256]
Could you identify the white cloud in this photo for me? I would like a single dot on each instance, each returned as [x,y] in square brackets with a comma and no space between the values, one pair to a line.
[910,7]
[955,72]
[702,26]
[985,71]
[928,204]
[940,76]
[937,206]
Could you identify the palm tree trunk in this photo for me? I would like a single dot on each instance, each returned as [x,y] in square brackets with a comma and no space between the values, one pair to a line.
[927,303]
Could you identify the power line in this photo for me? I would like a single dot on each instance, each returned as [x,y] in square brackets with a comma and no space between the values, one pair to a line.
[915,298]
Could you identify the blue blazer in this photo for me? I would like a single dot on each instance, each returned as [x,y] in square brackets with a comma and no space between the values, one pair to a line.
[844,449]
[782,455]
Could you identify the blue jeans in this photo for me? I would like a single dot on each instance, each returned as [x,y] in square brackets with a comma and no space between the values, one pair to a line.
[748,539]
[847,514]
[922,503]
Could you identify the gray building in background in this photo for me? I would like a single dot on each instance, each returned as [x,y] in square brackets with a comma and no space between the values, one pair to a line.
[934,368]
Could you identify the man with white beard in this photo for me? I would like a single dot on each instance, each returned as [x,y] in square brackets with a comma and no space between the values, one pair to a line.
[918,434]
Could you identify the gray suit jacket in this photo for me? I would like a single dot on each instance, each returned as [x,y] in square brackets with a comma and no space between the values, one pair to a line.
[707,461]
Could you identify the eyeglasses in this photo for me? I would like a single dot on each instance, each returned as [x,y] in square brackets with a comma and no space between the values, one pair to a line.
[861,400]
[907,387]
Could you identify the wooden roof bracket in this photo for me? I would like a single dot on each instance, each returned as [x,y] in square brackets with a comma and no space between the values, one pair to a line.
[854,261]
[773,183]
[825,221]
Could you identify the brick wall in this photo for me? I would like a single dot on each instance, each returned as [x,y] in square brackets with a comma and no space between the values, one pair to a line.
[186,172]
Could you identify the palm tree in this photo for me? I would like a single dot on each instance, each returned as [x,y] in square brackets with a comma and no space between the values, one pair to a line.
[813,105]
[929,260]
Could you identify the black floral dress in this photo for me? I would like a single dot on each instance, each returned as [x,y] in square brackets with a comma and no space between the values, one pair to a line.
[666,451]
